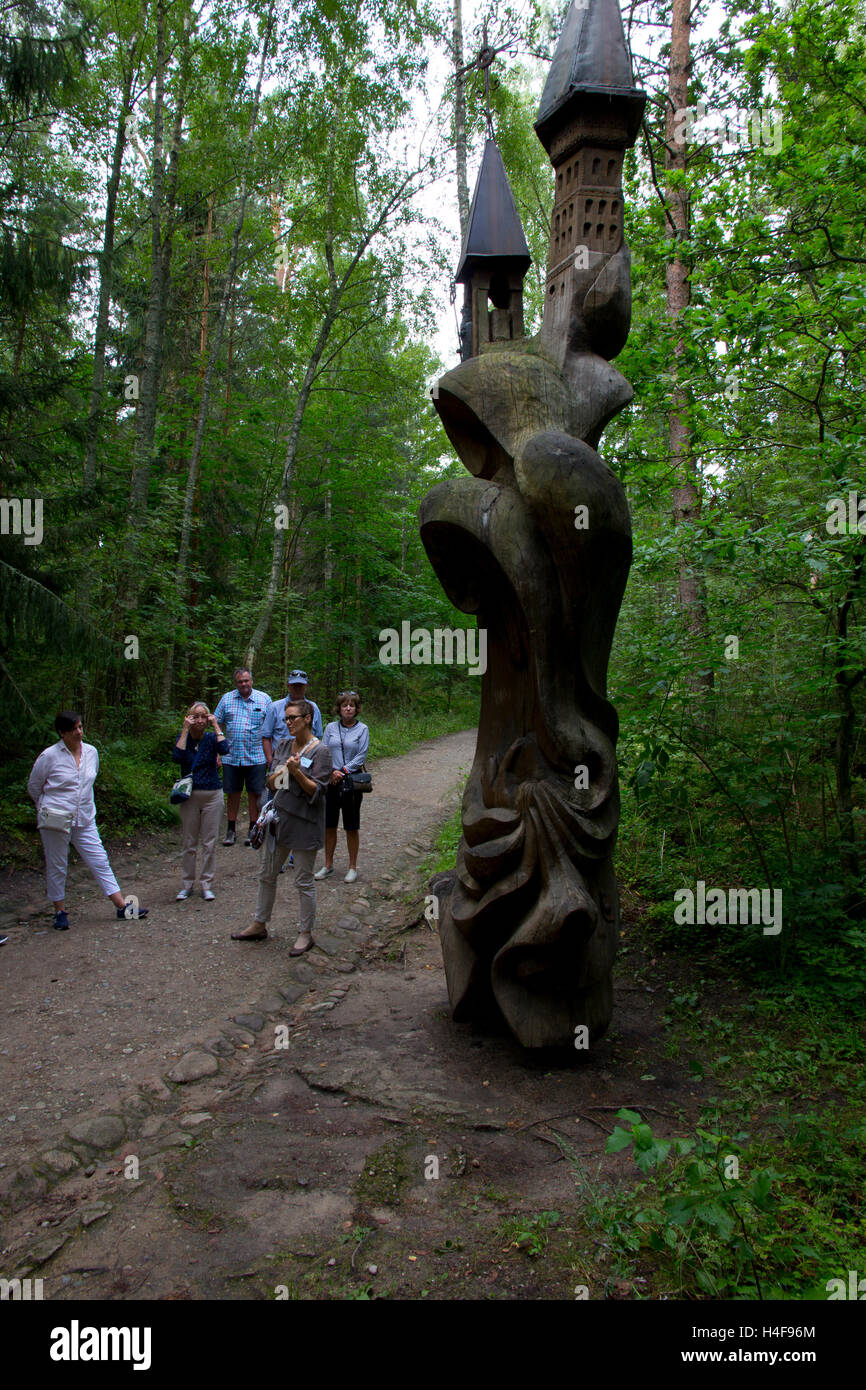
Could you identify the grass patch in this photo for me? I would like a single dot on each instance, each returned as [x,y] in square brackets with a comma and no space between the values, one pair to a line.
[528,1233]
[444,855]
[385,1177]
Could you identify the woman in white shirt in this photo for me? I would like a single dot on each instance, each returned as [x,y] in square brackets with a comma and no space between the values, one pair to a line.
[61,784]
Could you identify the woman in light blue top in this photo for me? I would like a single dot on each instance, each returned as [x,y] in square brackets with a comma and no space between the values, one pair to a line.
[349,742]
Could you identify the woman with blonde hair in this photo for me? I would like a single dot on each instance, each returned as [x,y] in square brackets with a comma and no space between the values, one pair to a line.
[201,812]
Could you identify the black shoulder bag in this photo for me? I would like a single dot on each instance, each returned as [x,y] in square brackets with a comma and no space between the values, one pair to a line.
[354,781]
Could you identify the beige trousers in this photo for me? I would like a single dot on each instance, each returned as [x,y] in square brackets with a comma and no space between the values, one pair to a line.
[200,817]
[273,858]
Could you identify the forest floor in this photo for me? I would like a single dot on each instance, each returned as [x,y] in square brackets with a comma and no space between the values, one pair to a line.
[337,1136]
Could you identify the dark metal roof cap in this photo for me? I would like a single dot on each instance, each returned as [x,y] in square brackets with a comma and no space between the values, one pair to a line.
[591,57]
[494,230]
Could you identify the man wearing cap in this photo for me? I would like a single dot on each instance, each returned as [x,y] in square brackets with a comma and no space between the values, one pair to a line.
[274,727]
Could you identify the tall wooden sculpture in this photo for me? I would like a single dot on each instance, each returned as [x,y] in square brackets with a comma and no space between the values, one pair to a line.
[537,544]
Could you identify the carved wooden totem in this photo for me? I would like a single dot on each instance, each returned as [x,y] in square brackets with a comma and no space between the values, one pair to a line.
[537,544]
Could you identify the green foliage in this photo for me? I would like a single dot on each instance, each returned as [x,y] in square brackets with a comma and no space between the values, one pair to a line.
[758,781]
[710,1221]
[37,65]
[133,790]
[795,1195]
[529,1233]
[340,85]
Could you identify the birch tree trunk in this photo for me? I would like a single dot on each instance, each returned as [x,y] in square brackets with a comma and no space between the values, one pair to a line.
[328,571]
[356,626]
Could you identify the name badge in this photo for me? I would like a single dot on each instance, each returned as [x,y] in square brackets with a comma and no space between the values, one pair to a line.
[306,762]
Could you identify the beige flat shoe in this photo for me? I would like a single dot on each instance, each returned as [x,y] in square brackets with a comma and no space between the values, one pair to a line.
[303,943]
[251,934]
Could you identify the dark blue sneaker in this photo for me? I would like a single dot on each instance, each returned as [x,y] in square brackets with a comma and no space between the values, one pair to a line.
[142,912]
[61,921]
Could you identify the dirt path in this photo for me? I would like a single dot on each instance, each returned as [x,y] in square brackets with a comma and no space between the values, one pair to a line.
[328,1132]
[91,1013]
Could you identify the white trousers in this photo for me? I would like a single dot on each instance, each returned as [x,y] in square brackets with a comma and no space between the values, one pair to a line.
[273,858]
[86,840]
[200,817]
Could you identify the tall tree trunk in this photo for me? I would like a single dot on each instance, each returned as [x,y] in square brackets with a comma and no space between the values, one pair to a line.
[145,415]
[356,626]
[460,150]
[328,569]
[205,302]
[337,289]
[288,472]
[231,353]
[19,348]
[216,345]
[281,263]
[460,115]
[163,197]
[846,732]
[288,621]
[106,276]
[686,496]
[404,516]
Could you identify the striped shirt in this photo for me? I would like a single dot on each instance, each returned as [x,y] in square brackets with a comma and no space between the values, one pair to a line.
[242,721]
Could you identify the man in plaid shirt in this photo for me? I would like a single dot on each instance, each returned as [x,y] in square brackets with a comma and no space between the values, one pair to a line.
[241,713]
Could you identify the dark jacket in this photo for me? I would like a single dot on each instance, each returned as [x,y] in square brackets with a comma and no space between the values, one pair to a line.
[301,818]
[206,777]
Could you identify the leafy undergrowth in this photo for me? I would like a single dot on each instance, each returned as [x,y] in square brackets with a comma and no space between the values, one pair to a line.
[763,1198]
[718,1217]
